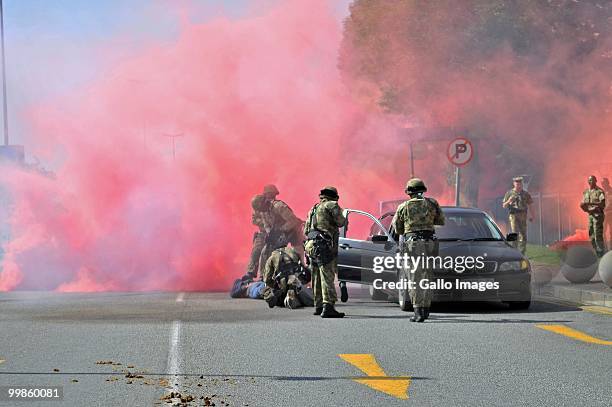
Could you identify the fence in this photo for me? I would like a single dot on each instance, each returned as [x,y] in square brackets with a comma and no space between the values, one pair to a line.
[555,216]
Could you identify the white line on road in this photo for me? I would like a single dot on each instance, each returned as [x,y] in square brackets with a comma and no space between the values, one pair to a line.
[174,354]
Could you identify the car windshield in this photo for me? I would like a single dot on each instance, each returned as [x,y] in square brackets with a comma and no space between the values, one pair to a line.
[461,226]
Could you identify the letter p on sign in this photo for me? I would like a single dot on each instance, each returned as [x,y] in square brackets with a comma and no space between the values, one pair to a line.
[460,151]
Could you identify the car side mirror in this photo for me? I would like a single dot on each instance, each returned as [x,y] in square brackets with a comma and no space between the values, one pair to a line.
[512,237]
[379,239]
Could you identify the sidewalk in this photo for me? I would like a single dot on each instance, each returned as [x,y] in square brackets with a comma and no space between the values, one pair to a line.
[595,292]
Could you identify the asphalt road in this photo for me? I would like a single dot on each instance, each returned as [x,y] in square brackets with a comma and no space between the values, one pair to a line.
[239,352]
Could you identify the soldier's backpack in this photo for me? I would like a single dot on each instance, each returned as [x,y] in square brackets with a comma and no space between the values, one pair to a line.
[319,245]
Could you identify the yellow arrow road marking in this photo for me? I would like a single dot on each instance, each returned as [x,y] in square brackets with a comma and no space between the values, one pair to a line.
[574,334]
[395,386]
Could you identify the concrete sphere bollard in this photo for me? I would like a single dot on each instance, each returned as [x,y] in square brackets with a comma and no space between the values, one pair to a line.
[579,264]
[605,269]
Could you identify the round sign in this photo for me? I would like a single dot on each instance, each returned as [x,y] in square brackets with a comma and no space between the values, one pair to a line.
[460,151]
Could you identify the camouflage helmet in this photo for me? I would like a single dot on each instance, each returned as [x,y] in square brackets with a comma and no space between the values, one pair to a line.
[415,185]
[259,202]
[271,190]
[329,192]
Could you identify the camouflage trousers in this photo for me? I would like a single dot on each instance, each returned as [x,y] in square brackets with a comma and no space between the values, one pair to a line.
[259,241]
[296,238]
[596,226]
[420,297]
[323,283]
[518,225]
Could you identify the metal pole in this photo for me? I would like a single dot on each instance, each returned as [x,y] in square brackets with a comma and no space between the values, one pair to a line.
[173,137]
[411,160]
[541,220]
[4,102]
[559,214]
[457,186]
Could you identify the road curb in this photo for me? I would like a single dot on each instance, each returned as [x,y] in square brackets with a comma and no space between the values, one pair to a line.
[574,295]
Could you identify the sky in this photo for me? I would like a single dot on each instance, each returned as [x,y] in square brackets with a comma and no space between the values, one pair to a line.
[54,46]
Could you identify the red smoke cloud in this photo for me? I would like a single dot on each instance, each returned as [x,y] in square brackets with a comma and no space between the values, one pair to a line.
[257,100]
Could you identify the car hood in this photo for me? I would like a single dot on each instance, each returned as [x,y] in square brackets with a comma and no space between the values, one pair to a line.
[495,250]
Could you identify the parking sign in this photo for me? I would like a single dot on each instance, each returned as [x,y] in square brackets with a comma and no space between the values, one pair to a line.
[460,151]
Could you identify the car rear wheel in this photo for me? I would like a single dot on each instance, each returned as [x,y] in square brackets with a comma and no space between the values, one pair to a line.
[519,304]
[402,293]
[378,295]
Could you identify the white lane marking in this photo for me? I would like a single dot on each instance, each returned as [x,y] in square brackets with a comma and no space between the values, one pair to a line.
[174,353]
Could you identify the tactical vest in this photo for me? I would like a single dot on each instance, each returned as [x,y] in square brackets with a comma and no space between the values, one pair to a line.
[420,215]
[519,202]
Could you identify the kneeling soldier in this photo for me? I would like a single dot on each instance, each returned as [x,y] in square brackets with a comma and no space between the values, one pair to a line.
[286,280]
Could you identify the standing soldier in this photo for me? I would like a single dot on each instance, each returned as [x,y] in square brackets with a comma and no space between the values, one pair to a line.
[593,203]
[605,184]
[414,221]
[518,201]
[290,224]
[259,239]
[322,233]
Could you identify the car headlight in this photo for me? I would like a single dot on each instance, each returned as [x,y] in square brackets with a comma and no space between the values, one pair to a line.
[519,265]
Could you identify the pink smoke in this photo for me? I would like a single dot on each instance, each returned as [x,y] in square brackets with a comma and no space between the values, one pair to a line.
[258,100]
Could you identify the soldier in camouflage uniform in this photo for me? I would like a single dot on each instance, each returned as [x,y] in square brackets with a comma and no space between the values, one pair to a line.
[593,203]
[284,219]
[605,185]
[414,220]
[286,280]
[518,202]
[325,218]
[259,240]
[279,220]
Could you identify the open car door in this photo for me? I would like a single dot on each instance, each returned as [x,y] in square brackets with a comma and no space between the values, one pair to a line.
[360,241]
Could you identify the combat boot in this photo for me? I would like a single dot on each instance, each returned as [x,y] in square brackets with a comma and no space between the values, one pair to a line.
[343,292]
[291,301]
[318,311]
[418,315]
[272,299]
[330,312]
[426,312]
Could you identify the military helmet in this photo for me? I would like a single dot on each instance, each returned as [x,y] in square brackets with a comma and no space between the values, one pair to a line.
[415,185]
[258,202]
[329,192]
[517,179]
[270,189]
